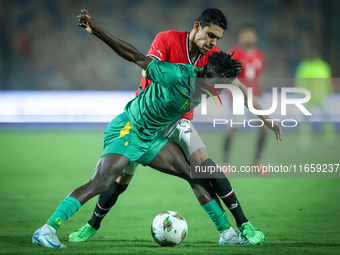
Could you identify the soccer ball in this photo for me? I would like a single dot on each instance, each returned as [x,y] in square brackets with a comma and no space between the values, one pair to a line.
[169,228]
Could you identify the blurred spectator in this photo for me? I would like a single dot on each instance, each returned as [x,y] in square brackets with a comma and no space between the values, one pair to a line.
[314,74]
[54,54]
[252,59]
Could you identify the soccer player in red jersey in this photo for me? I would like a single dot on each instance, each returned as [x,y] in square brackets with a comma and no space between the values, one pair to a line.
[252,60]
[189,48]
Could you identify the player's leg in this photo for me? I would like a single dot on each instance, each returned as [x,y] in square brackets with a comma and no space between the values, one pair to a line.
[105,202]
[170,159]
[328,126]
[108,198]
[230,132]
[185,135]
[227,144]
[108,168]
[259,147]
[305,131]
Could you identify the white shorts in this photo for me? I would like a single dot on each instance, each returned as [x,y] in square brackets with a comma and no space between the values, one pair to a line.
[180,132]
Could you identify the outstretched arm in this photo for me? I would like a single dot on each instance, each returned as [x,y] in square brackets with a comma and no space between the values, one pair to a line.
[265,118]
[122,48]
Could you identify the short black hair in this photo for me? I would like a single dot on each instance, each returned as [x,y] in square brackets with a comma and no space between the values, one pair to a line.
[249,26]
[221,63]
[214,16]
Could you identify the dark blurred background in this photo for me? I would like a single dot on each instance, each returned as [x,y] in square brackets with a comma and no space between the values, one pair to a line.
[42,48]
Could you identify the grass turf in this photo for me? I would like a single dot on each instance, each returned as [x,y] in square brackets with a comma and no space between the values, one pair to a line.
[39,168]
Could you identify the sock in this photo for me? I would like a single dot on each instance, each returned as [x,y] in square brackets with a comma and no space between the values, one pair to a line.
[222,187]
[234,207]
[217,215]
[65,210]
[105,202]
[260,144]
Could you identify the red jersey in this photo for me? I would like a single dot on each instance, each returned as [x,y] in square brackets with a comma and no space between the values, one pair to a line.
[252,66]
[173,46]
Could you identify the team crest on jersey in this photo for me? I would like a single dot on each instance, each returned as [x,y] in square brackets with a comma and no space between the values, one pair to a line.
[127,142]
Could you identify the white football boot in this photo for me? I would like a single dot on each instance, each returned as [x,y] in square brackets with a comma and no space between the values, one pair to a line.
[46,237]
[230,236]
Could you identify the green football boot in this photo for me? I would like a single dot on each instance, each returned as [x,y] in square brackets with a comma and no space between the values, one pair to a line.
[254,235]
[82,234]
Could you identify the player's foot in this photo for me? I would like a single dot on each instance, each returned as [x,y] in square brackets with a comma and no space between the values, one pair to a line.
[254,235]
[46,237]
[82,234]
[230,236]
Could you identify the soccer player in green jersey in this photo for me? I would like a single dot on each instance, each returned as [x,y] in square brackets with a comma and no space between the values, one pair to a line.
[134,135]
[194,48]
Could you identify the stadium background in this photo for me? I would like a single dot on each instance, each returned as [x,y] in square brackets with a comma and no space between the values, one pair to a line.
[43,49]
[45,58]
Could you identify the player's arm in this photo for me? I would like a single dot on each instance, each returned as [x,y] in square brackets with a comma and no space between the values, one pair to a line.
[159,49]
[265,118]
[145,76]
[122,48]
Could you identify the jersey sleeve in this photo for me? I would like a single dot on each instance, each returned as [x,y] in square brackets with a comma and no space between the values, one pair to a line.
[164,73]
[159,48]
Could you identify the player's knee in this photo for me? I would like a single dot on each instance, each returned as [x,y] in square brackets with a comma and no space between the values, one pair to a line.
[184,169]
[124,179]
[99,186]
[199,156]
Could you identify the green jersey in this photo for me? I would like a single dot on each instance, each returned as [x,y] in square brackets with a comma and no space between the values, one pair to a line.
[164,100]
[314,75]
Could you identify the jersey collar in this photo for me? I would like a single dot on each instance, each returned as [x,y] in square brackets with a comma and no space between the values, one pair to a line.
[188,55]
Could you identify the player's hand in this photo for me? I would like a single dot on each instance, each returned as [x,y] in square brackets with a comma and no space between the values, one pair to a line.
[86,21]
[275,127]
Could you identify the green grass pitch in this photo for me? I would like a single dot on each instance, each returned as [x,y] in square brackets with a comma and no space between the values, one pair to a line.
[39,168]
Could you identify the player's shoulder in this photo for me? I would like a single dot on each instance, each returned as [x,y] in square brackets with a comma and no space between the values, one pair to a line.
[172,34]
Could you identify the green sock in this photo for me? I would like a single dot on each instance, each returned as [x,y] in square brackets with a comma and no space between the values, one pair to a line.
[217,215]
[65,210]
